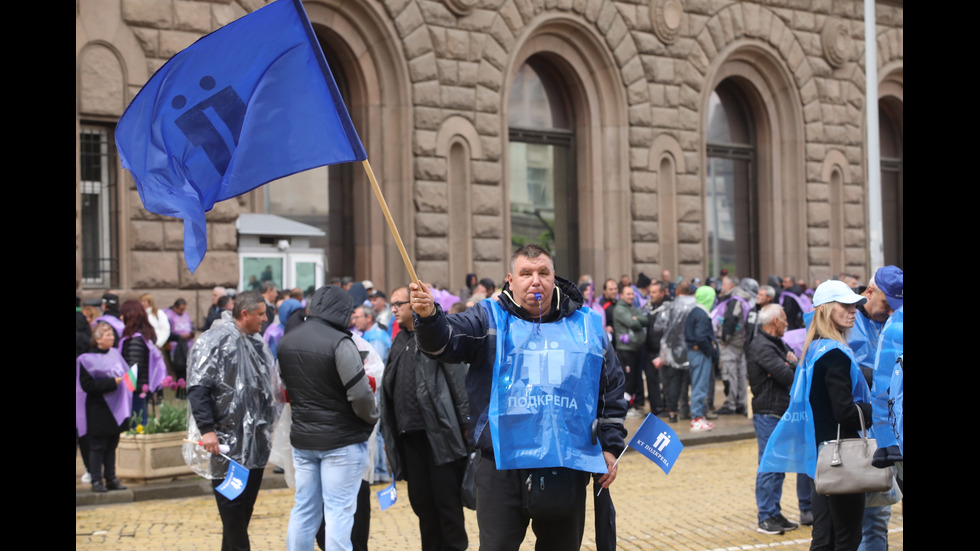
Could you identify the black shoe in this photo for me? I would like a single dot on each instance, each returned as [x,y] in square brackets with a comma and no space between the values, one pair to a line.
[708,414]
[114,484]
[806,518]
[672,418]
[725,411]
[785,523]
[99,487]
[278,470]
[771,526]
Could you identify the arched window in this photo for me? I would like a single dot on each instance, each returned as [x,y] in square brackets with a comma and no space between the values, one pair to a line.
[892,177]
[731,190]
[543,197]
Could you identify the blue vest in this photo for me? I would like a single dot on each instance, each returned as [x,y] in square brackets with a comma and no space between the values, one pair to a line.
[890,347]
[545,391]
[792,448]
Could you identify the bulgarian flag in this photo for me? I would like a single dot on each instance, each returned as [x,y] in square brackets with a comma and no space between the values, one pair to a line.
[130,378]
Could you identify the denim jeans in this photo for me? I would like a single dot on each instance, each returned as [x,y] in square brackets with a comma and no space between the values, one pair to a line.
[769,486]
[700,381]
[874,528]
[327,483]
[380,461]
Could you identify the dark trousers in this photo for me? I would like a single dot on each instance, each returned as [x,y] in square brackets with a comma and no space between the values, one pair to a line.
[503,519]
[836,521]
[362,521]
[435,492]
[102,456]
[654,392]
[605,517]
[83,448]
[236,514]
[630,361]
[676,383]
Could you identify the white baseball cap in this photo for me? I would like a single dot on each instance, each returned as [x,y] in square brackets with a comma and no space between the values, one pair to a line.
[836,291]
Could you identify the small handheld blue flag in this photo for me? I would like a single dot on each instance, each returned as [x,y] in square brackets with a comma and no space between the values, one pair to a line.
[249,103]
[388,496]
[235,480]
[656,440]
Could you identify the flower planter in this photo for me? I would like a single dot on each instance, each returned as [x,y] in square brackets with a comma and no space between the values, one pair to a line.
[151,456]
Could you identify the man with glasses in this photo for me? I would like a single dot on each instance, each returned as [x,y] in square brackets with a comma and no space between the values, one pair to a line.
[425,414]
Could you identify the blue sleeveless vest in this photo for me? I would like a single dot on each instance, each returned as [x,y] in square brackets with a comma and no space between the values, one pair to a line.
[545,391]
[792,448]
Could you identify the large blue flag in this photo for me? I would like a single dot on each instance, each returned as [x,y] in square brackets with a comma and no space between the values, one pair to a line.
[658,442]
[249,103]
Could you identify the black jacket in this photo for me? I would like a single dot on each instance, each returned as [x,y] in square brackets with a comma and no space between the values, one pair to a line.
[770,375]
[442,400]
[331,399]
[135,352]
[832,401]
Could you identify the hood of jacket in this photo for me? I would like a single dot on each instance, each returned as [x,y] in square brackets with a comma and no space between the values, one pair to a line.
[705,296]
[332,305]
[286,309]
[568,298]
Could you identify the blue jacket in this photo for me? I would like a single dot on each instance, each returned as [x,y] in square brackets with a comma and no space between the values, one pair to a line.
[470,337]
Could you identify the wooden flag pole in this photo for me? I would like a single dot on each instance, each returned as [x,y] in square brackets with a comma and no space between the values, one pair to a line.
[391,223]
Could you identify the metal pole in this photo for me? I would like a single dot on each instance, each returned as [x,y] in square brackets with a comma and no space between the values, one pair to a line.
[874,150]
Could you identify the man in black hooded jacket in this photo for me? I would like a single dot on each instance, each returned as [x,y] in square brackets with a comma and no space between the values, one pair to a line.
[333,414]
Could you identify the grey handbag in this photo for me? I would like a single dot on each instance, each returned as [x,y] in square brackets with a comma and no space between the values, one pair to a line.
[844,465]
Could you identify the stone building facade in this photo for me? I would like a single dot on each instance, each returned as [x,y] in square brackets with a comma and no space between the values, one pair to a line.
[628,135]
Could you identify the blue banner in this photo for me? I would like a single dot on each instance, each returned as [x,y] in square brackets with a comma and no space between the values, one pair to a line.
[235,480]
[249,103]
[658,442]
[388,496]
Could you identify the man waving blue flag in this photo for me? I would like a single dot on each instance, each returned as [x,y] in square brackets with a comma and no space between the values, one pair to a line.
[249,103]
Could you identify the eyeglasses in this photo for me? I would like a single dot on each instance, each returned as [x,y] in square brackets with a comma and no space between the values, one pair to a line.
[398,304]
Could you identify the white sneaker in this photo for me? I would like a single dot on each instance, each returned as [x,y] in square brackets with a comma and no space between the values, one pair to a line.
[86,478]
[698,424]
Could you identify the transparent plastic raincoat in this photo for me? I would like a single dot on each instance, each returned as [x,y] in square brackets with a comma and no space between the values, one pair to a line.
[673,346]
[233,387]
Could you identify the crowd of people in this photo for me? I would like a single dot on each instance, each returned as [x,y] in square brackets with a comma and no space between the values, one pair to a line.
[469,396]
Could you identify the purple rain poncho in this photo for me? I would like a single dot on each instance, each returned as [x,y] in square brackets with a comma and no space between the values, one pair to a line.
[444,298]
[103,366]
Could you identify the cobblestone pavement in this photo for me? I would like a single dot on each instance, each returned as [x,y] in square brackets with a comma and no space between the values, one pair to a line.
[706,503]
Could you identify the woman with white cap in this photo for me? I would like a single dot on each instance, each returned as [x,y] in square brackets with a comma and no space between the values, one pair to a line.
[824,395]
[837,518]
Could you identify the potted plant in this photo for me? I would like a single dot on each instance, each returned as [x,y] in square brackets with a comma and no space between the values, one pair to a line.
[153,451]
